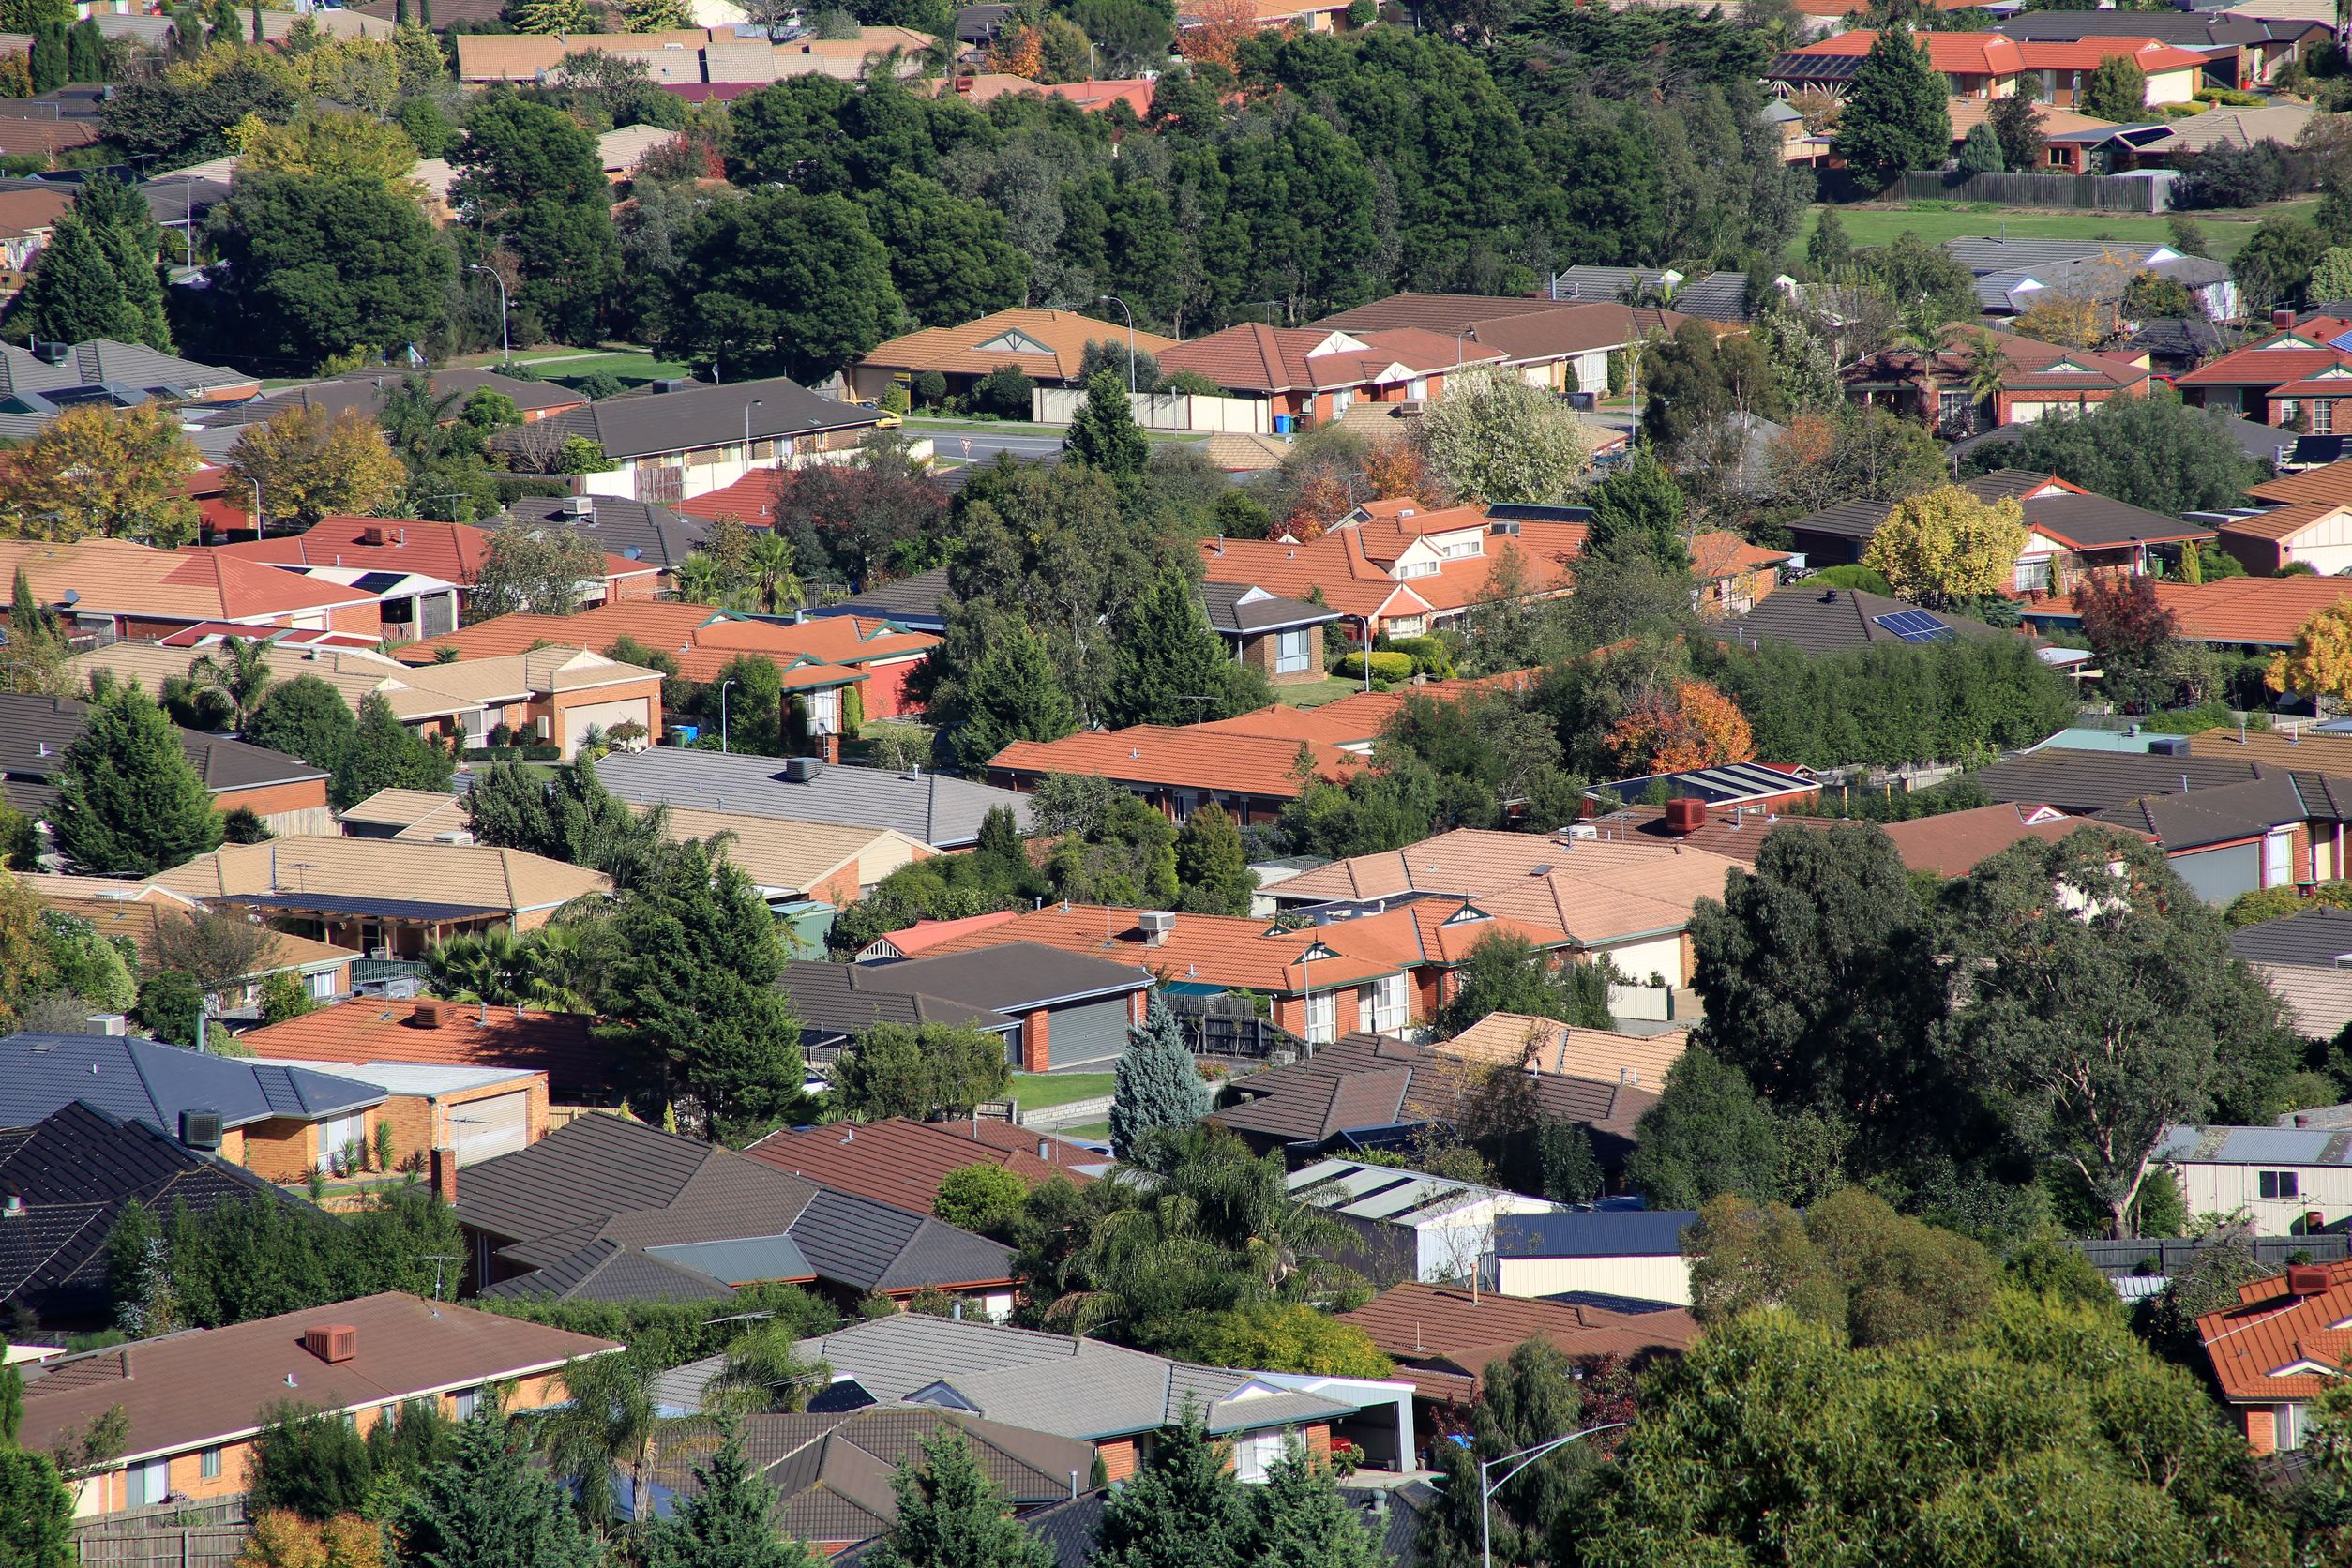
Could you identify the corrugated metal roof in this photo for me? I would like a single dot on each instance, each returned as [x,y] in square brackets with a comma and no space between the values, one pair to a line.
[937,809]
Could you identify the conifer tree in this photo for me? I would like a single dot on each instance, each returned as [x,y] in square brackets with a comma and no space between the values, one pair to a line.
[728,1522]
[127,231]
[1298,1519]
[386,754]
[951,1515]
[128,801]
[33,660]
[1212,863]
[486,1507]
[1896,117]
[1013,694]
[1638,510]
[85,52]
[1103,433]
[1183,1509]
[74,295]
[1168,653]
[1158,1085]
[36,1512]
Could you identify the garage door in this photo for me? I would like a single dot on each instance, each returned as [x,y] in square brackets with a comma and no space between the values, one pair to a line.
[2220,875]
[603,715]
[484,1128]
[1089,1031]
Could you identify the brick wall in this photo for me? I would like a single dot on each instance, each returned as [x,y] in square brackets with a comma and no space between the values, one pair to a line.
[281,1149]
[1259,653]
[1119,1458]
[884,692]
[419,1123]
[1036,1042]
[308,794]
[2262,1429]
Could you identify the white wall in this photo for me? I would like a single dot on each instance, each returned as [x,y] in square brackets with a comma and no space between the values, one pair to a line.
[1639,960]
[1163,410]
[1656,1279]
[2215,1188]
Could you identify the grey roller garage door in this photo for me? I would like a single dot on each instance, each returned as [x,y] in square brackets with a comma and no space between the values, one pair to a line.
[1089,1032]
[2220,875]
[483,1129]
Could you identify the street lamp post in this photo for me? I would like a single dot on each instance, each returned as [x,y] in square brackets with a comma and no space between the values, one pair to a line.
[257,506]
[756,402]
[1368,651]
[722,714]
[1525,1456]
[505,343]
[1114,299]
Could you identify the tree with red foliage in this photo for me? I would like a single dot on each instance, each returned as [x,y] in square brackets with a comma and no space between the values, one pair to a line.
[1699,727]
[1395,468]
[1216,35]
[2133,633]
[1324,498]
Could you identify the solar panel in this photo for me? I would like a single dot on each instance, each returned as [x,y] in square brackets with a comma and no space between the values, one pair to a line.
[1915,626]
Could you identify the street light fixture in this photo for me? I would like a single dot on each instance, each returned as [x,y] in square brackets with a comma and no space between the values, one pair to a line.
[1525,1456]
[1114,299]
[756,402]
[722,714]
[505,343]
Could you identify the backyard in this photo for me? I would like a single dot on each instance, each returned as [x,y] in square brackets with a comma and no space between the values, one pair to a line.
[1938,221]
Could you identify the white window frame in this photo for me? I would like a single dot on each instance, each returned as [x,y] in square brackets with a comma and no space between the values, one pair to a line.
[147,1483]
[464,1402]
[1294,650]
[2278,859]
[208,1463]
[1383,1007]
[1322,1018]
[322,985]
[1254,1454]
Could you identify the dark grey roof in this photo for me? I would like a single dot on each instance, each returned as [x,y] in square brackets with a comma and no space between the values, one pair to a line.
[873,1247]
[1719,297]
[642,424]
[36,731]
[171,200]
[918,603]
[2180,337]
[2185,29]
[145,1080]
[978,23]
[2202,817]
[1236,611]
[1982,255]
[1595,1234]
[605,1271]
[1013,978]
[835,1001]
[2073,780]
[1859,520]
[76,1170]
[2094,521]
[102,360]
[583,1174]
[364,391]
[660,536]
[1834,620]
[2307,939]
[938,809]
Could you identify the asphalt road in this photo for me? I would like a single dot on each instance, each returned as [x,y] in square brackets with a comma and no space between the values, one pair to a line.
[952,447]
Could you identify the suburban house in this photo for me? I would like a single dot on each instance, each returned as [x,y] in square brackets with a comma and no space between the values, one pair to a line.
[1178,770]
[32,379]
[1384,971]
[1613,1251]
[1953,843]
[1444,1338]
[1072,1010]
[2248,613]
[2250,48]
[2069,531]
[288,794]
[836,1005]
[70,1175]
[1353,722]
[1934,387]
[2307,518]
[1719,298]
[102,589]
[2283,829]
[385,898]
[928,807]
[2307,354]
[27,219]
[1988,65]
[196,1400]
[1309,375]
[1548,1046]
[380,1032]
[695,63]
[2013,276]
[1368,1092]
[1408,1224]
[2306,957]
[609,1209]
[148,917]
[278,1122]
[2286,1180]
[1563,347]
[923,936]
[2087,782]
[363,392]
[1728,574]
[2069,140]
[1108,1396]
[681,439]
[469,1113]
[1046,346]
[2276,1350]
[635,529]
[902,1163]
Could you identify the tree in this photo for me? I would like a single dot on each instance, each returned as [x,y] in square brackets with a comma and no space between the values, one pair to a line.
[1895,118]
[74,295]
[1212,863]
[1980,150]
[1696,382]
[285,1540]
[572,817]
[2132,631]
[781,280]
[774,582]
[1013,693]
[1285,1337]
[1159,1084]
[1167,652]
[284,996]
[318,267]
[922,1072]
[239,671]
[983,1197]
[1707,1134]
[950,259]
[2320,662]
[1495,438]
[304,717]
[128,801]
[386,754]
[2152,294]
[608,1422]
[2116,90]
[725,1520]
[95,471]
[330,143]
[2016,125]
[170,1005]
[2274,265]
[1504,974]
[1103,433]
[33,659]
[36,1512]
[1531,1396]
[1695,726]
[1826,248]
[310,462]
[529,178]
[532,570]
[1944,546]
[486,1507]
[1180,1509]
[2154,452]
[2104,1007]
[950,1516]
[1850,1261]
[221,949]
[1638,506]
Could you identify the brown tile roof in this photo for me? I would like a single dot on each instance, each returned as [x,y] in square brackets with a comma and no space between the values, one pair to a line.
[1552,1047]
[24,137]
[206,1386]
[137,922]
[1355,721]
[2259,610]
[384,871]
[1059,337]
[831,650]
[29,212]
[2331,484]
[1256,357]
[2275,1346]
[2282,523]
[1372,1080]
[447,1035]
[1734,834]
[1181,758]
[902,1163]
[1953,843]
[1445,1330]
[116,576]
[2298,749]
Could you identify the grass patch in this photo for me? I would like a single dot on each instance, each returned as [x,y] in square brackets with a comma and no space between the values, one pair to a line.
[1042,1091]
[1313,694]
[1092,1132]
[1938,221]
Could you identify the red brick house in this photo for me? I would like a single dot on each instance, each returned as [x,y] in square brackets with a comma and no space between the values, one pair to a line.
[1309,374]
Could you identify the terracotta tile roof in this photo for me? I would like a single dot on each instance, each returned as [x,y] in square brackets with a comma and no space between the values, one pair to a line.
[452,552]
[1994,54]
[1343,565]
[2091,53]
[1046,343]
[1716,554]
[902,1163]
[1733,834]
[30,212]
[2331,484]
[2298,749]
[798,856]
[2287,355]
[2267,610]
[926,936]
[2275,1346]
[203,1386]
[1444,1329]
[446,1034]
[1179,757]
[2282,523]
[750,499]
[116,576]
[1601,1054]
[1355,721]
[1953,843]
[1967,113]
[121,911]
[831,650]
[383,872]
[1254,358]
[415,693]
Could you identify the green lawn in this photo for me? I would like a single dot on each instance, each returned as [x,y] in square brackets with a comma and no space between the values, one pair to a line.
[1313,694]
[1038,1090]
[1877,225]
[1094,1131]
[632,366]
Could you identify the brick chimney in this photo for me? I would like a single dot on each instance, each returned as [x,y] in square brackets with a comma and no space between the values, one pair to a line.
[445,1172]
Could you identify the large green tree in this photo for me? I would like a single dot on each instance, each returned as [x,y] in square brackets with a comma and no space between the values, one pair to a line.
[36,1512]
[129,803]
[949,258]
[319,266]
[488,1507]
[1709,1133]
[1212,863]
[1895,118]
[304,717]
[386,754]
[728,1522]
[1159,1085]
[74,293]
[2154,452]
[127,231]
[1530,1397]
[1013,693]
[1167,655]
[780,281]
[1103,433]
[951,1515]
[2116,90]
[530,179]
[921,1071]
[1504,974]
[1180,1509]
[1638,510]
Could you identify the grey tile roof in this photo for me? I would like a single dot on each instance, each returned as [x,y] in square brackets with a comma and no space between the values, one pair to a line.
[1719,297]
[2073,780]
[2186,29]
[659,535]
[102,359]
[145,1080]
[1236,611]
[644,424]
[874,1246]
[939,810]
[364,391]
[1012,978]
[605,1271]
[2202,817]
[1982,253]
[2307,939]
[919,603]
[1834,620]
[832,1001]
[36,731]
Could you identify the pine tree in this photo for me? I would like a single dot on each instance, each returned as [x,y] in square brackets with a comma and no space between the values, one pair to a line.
[46,59]
[11,1403]
[1212,863]
[1166,653]
[1298,1519]
[951,1515]
[127,231]
[1638,508]
[128,801]
[386,754]
[305,718]
[487,1507]
[85,52]
[35,1512]
[1980,151]
[1159,1083]
[74,295]
[1183,1509]
[1013,694]
[1828,249]
[1896,117]
[728,1522]
[33,660]
[1102,434]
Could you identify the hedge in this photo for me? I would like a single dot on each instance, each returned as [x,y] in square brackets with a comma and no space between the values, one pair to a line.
[1386,667]
[514,753]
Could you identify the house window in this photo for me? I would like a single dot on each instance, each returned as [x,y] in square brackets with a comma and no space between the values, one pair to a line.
[322,985]
[2279,1183]
[337,1133]
[1320,1015]
[1406,626]
[1462,550]
[1953,409]
[208,1464]
[2278,860]
[1253,1456]
[150,1482]
[1382,1004]
[1294,650]
[2031,576]
[463,1403]
[2323,416]
[1418,568]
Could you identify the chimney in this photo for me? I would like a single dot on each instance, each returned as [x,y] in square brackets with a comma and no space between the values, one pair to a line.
[2301,1120]
[444,1175]
[332,1343]
[1045,1149]
[2282,319]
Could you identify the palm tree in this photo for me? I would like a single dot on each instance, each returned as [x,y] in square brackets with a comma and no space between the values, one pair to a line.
[702,578]
[239,673]
[606,1421]
[771,576]
[502,969]
[1988,366]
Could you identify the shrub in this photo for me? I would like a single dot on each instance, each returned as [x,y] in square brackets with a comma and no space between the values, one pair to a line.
[1385,667]
[1363,13]
[1004,392]
[1856,578]
[894,400]
[931,389]
[1430,655]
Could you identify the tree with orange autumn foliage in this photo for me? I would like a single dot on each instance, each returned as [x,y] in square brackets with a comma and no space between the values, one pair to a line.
[1020,52]
[1324,498]
[281,1539]
[1697,727]
[1394,468]
[1217,35]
